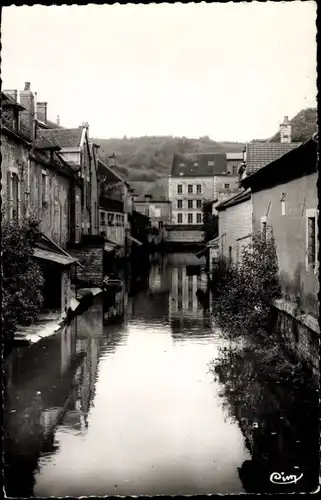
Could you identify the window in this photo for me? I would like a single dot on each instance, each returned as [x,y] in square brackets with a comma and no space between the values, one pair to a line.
[199,218]
[311,240]
[190,188]
[110,219]
[180,218]
[190,218]
[147,212]
[230,254]
[179,274]
[264,225]
[102,218]
[195,164]
[182,165]
[15,195]
[198,188]
[198,203]
[179,189]
[226,186]
[179,203]
[190,305]
[157,212]
[210,163]
[44,192]
[190,204]
[234,170]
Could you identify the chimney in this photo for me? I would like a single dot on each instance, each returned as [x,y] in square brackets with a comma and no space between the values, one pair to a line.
[27,100]
[12,93]
[112,160]
[42,112]
[285,131]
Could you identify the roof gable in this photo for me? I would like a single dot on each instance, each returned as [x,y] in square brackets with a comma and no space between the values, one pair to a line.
[260,154]
[199,165]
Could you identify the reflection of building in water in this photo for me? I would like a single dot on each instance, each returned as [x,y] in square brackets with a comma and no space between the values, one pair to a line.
[68,345]
[115,303]
[83,391]
[159,277]
[183,299]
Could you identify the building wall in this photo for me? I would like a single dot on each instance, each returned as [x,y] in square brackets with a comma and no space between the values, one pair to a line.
[94,197]
[14,161]
[50,204]
[91,259]
[289,231]
[174,235]
[157,210]
[113,225]
[225,186]
[233,164]
[207,193]
[234,224]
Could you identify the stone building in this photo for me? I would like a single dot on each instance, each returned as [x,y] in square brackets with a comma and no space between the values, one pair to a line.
[36,181]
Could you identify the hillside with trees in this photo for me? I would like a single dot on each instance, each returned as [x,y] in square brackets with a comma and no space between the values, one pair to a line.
[149,158]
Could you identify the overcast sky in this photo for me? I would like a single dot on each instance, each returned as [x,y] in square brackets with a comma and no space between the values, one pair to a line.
[229,71]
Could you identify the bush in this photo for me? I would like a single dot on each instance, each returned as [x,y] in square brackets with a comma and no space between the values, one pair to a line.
[22,279]
[246,293]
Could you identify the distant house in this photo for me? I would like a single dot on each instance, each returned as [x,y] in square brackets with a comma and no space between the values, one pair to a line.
[194,179]
[284,196]
[234,161]
[154,202]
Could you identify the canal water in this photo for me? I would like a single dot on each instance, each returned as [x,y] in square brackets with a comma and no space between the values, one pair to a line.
[124,400]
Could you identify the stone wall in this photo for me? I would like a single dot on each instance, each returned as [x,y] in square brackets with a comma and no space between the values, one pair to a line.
[92,260]
[300,332]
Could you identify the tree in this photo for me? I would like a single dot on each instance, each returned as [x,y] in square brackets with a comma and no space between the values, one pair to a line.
[245,295]
[22,279]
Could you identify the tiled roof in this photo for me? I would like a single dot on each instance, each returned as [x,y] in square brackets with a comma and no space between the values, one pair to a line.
[158,191]
[44,142]
[260,154]
[295,163]
[199,165]
[63,137]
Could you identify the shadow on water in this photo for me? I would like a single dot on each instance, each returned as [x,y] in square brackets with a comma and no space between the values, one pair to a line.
[47,384]
[276,408]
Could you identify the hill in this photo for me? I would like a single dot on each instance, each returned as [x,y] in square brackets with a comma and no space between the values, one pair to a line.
[304,125]
[149,158]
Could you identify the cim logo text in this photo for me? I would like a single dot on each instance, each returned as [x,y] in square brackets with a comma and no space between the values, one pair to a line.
[281,478]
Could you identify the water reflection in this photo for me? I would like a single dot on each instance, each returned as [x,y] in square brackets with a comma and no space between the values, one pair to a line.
[126,407]
[278,417]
